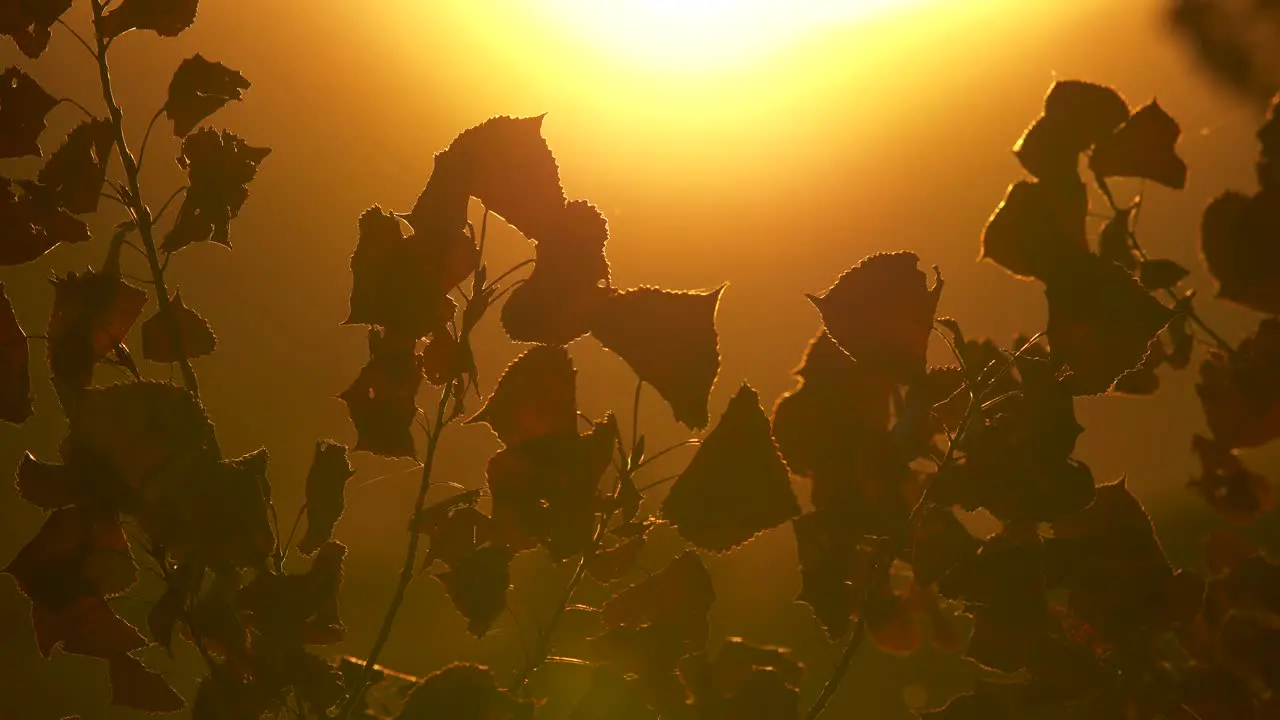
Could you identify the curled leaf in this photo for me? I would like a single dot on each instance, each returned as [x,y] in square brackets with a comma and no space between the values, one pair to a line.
[167,18]
[1142,148]
[133,685]
[219,168]
[194,337]
[23,106]
[92,313]
[1240,495]
[15,373]
[198,89]
[1238,240]
[326,482]
[535,397]
[669,339]
[1037,227]
[736,485]
[382,400]
[1240,392]
[28,23]
[881,313]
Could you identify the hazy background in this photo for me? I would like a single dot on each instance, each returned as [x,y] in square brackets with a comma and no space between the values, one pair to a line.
[773,169]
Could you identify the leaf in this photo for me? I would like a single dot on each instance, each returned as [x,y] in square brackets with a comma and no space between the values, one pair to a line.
[651,653]
[382,400]
[219,168]
[1161,274]
[85,626]
[199,88]
[133,685]
[679,596]
[455,537]
[169,608]
[669,340]
[881,313]
[736,486]
[32,222]
[1077,114]
[167,18]
[463,692]
[546,490]
[92,313]
[1240,392]
[1113,242]
[534,398]
[939,543]
[1101,323]
[1037,227]
[15,372]
[195,337]
[76,172]
[222,519]
[326,481]
[28,23]
[570,280]
[611,562]
[402,283]
[1241,496]
[834,567]
[49,486]
[78,552]
[1142,148]
[295,609]
[23,107]
[1237,239]
[478,588]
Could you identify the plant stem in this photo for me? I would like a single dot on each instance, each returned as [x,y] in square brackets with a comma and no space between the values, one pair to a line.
[411,554]
[142,215]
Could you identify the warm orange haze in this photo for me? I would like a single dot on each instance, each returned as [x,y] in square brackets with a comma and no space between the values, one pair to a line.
[758,147]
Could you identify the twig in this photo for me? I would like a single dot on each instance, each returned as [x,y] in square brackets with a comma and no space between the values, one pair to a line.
[142,149]
[76,103]
[77,36]
[165,206]
[664,451]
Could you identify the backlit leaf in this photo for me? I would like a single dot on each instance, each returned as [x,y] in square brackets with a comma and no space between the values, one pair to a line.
[478,587]
[1238,240]
[135,686]
[194,336]
[167,18]
[1037,226]
[382,400]
[938,543]
[28,22]
[76,172]
[85,626]
[33,223]
[1161,274]
[198,89]
[77,552]
[678,596]
[1076,115]
[835,567]
[326,483]
[219,168]
[1113,241]
[222,517]
[619,552]
[669,339]
[881,313]
[453,538]
[1101,322]
[736,485]
[92,313]
[1240,495]
[1240,393]
[48,485]
[23,105]
[463,692]
[292,609]
[535,397]
[15,373]
[1142,148]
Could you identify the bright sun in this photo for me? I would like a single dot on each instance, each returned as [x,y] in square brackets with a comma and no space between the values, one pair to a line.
[698,34]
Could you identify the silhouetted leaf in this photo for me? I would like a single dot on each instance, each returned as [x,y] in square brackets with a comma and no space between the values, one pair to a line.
[619,552]
[198,89]
[92,313]
[402,284]
[1037,227]
[938,543]
[219,167]
[221,519]
[669,339]
[834,568]
[478,587]
[570,280]
[1094,110]
[534,398]
[736,485]
[296,609]
[75,173]
[1142,148]
[77,552]
[28,22]
[23,105]
[679,596]
[15,374]
[167,18]
[611,696]
[169,608]
[326,482]
[382,400]
[133,685]
[84,626]
[1240,392]
[49,486]
[651,653]
[195,337]
[32,222]
[881,311]
[546,490]
[1238,241]
[1161,274]
[1101,322]
[454,537]
[1113,242]
[1240,495]
[463,692]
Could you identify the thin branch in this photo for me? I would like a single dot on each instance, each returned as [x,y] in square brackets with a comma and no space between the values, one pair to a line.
[510,270]
[165,206]
[142,149]
[76,103]
[664,451]
[635,419]
[83,43]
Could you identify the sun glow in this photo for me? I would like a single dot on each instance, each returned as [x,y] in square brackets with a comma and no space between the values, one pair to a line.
[697,34]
